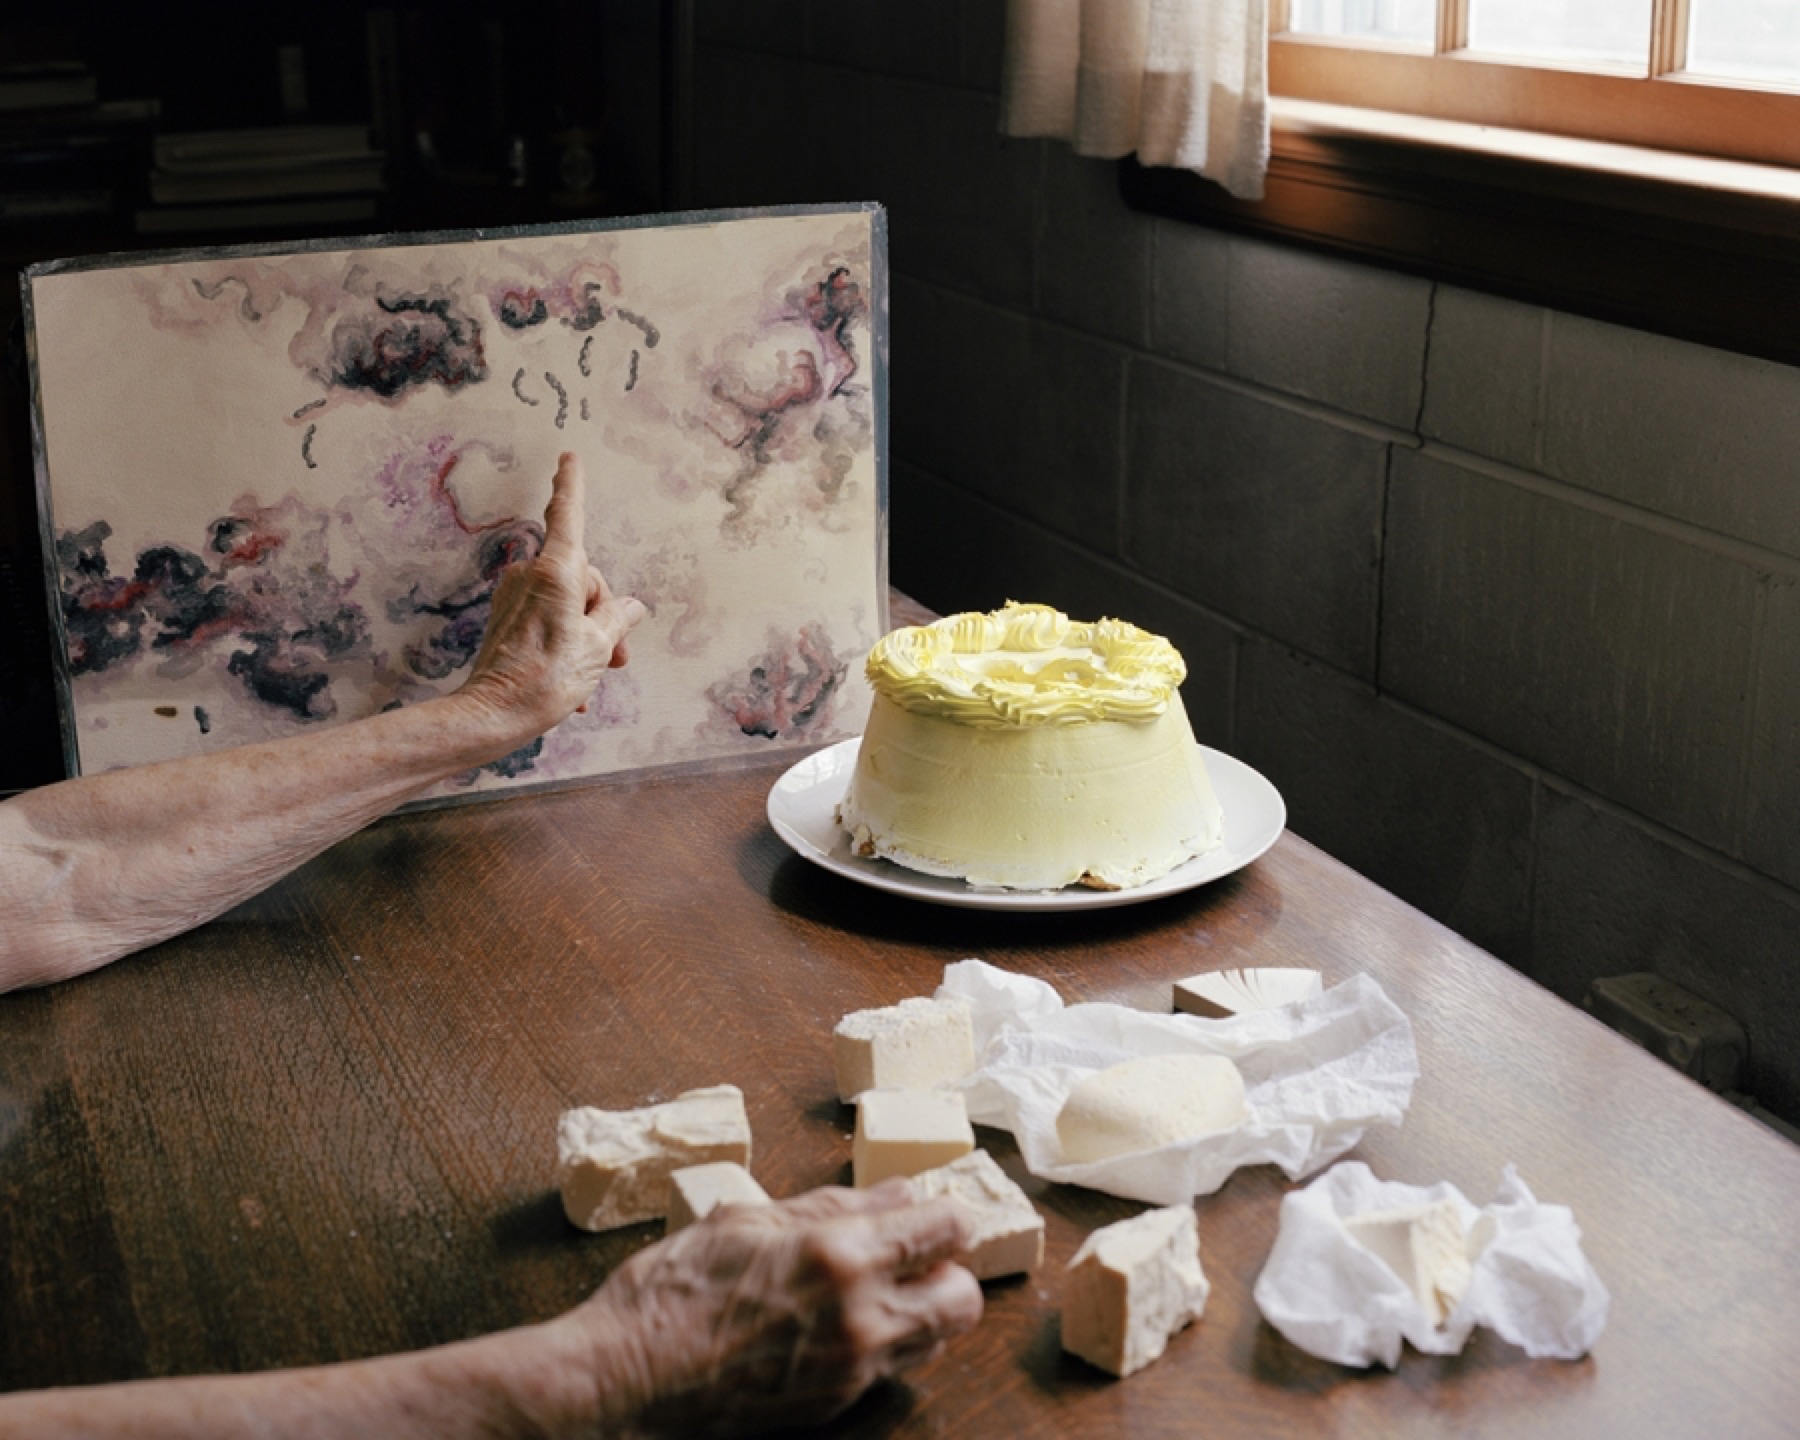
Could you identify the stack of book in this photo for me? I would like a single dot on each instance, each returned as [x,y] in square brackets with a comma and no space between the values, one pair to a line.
[64,154]
[297,176]
[46,85]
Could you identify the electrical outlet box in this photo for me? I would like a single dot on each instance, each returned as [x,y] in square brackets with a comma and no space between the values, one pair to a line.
[1694,1035]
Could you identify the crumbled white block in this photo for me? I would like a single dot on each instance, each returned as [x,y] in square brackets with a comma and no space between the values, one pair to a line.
[903,1132]
[1009,1232]
[613,1165]
[914,1045]
[1146,1103]
[697,1190]
[1131,1286]
[1218,993]
[1425,1246]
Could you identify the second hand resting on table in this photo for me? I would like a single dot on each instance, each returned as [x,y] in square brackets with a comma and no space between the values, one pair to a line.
[753,1317]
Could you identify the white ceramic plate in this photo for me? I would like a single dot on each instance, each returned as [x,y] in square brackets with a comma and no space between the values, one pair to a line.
[803,805]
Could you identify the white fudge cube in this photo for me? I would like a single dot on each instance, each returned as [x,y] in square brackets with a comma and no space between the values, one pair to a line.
[1009,1232]
[613,1165]
[697,1190]
[1425,1246]
[902,1132]
[1218,993]
[1131,1286]
[914,1045]
[1147,1103]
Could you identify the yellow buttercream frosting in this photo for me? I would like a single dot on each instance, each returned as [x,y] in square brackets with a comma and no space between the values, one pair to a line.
[1026,665]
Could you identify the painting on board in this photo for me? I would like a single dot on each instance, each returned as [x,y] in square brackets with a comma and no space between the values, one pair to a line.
[278,488]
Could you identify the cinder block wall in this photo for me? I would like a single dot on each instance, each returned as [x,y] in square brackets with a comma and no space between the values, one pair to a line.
[1506,602]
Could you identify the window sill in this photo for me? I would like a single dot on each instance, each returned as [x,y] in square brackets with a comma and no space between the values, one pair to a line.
[1696,248]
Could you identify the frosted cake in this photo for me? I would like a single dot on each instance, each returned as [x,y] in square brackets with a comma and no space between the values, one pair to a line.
[1021,750]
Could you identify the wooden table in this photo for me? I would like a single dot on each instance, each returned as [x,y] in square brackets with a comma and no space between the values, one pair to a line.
[323,1126]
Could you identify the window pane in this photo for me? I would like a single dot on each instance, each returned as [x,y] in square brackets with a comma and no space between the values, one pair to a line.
[1373,19]
[1747,39]
[1578,30]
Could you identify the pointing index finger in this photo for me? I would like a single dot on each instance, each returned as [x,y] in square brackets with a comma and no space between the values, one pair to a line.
[565,518]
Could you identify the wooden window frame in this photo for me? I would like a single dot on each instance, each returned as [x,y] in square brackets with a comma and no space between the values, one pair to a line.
[1486,173]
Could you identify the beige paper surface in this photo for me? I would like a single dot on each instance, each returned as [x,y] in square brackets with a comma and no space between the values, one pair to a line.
[281,487]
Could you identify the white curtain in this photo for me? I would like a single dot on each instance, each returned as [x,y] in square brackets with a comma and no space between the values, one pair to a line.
[1181,82]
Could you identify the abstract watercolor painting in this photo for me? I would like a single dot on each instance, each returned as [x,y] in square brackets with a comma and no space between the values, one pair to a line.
[278,487]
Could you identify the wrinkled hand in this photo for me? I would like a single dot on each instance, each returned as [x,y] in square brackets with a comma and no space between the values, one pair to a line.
[784,1314]
[556,626]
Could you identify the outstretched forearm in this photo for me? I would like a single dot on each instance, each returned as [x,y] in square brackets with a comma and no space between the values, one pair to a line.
[533,1383]
[96,868]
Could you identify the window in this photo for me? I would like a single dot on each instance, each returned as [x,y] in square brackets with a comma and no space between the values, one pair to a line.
[1714,77]
[1636,161]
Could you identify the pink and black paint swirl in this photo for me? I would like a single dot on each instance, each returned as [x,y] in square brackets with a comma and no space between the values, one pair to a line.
[787,692]
[176,601]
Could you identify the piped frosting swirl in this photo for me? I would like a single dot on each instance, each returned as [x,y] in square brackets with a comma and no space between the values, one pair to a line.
[1026,665]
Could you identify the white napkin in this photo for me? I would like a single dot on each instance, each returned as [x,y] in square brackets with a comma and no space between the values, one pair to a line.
[1317,1073]
[1333,1298]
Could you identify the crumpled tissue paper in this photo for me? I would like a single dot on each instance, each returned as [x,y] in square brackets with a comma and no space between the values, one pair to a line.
[1317,1073]
[1530,1282]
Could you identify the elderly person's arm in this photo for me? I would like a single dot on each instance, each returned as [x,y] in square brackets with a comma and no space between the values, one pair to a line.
[754,1318]
[96,868]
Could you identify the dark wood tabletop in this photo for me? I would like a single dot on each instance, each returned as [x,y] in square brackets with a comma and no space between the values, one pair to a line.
[322,1127]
